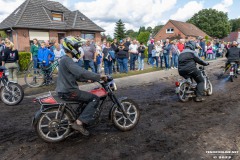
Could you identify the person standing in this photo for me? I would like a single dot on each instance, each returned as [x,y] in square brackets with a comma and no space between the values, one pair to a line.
[133,50]
[166,53]
[89,56]
[114,46]
[141,56]
[150,48]
[175,53]
[34,50]
[203,46]
[158,50]
[58,52]
[122,57]
[180,45]
[107,59]
[10,61]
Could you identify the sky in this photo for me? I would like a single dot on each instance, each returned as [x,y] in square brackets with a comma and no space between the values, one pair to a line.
[136,13]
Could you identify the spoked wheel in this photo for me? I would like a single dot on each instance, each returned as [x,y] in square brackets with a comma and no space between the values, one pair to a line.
[50,128]
[210,89]
[12,94]
[34,78]
[126,123]
[30,66]
[182,92]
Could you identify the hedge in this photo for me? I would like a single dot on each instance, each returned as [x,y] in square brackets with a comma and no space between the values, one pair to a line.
[24,60]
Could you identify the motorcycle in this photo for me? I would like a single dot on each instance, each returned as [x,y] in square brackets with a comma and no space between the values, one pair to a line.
[53,122]
[186,89]
[10,93]
[233,71]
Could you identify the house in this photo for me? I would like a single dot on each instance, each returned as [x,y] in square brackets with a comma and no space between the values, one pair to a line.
[46,20]
[233,36]
[176,29]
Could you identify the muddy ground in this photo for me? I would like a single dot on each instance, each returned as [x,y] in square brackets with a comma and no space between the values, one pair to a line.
[168,129]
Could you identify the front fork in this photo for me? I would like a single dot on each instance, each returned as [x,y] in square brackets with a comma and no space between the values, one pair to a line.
[117,101]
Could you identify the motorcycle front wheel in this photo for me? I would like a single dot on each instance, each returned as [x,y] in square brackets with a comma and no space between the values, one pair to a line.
[126,123]
[50,128]
[12,94]
[210,89]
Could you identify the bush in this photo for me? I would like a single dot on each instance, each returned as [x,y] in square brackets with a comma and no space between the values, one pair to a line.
[146,52]
[24,60]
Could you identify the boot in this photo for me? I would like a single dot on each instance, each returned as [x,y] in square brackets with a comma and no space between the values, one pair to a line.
[199,99]
[80,128]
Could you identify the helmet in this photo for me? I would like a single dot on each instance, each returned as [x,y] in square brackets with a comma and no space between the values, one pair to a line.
[71,44]
[191,45]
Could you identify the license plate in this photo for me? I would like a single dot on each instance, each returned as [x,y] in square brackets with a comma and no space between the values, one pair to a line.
[231,73]
[177,90]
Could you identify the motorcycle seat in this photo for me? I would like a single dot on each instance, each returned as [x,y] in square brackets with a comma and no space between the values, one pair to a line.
[61,101]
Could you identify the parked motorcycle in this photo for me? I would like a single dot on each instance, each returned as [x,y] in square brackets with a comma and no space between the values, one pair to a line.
[53,122]
[186,89]
[10,93]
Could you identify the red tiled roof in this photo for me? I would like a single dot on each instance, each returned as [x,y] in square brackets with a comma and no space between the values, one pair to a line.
[233,36]
[188,29]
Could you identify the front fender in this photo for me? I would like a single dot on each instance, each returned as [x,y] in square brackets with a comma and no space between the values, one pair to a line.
[36,118]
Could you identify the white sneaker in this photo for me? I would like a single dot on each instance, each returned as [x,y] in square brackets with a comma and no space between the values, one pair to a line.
[175,67]
[171,67]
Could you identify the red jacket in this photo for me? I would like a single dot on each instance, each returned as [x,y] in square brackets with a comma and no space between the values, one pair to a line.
[180,47]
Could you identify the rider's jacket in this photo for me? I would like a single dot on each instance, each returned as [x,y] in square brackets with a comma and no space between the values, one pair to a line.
[187,61]
[69,73]
[233,54]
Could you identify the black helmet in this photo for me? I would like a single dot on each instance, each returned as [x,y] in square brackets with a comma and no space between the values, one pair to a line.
[191,45]
[71,44]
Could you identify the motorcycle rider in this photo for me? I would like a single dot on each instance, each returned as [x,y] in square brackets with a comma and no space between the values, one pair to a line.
[233,55]
[187,67]
[67,88]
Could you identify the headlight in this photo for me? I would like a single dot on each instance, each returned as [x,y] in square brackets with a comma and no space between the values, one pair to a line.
[113,86]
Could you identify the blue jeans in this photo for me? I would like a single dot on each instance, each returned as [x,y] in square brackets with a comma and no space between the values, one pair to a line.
[80,63]
[140,63]
[161,61]
[175,60]
[108,67]
[166,59]
[89,63]
[210,56]
[35,62]
[123,65]
[150,59]
[156,59]
[133,58]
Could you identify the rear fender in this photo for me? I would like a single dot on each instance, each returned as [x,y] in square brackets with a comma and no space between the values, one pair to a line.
[38,114]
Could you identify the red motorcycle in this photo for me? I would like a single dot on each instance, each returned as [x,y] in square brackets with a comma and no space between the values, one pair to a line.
[53,122]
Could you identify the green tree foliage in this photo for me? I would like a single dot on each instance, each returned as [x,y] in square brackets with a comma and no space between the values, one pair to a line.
[156,29]
[3,34]
[141,29]
[132,34]
[235,24]
[143,37]
[214,23]
[120,30]
[149,29]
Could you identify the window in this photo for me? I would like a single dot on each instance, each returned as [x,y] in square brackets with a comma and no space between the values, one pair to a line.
[57,17]
[88,35]
[170,30]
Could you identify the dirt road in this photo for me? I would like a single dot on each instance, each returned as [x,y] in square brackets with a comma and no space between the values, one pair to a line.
[168,129]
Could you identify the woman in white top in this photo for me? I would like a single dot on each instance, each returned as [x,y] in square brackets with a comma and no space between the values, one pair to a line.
[155,55]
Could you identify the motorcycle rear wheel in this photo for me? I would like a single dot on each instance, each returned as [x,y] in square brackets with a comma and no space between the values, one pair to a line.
[50,128]
[183,97]
[12,97]
[120,121]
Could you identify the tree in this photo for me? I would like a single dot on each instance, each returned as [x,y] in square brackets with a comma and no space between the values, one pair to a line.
[119,30]
[3,34]
[156,29]
[235,24]
[143,37]
[149,29]
[214,23]
[132,34]
[141,29]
